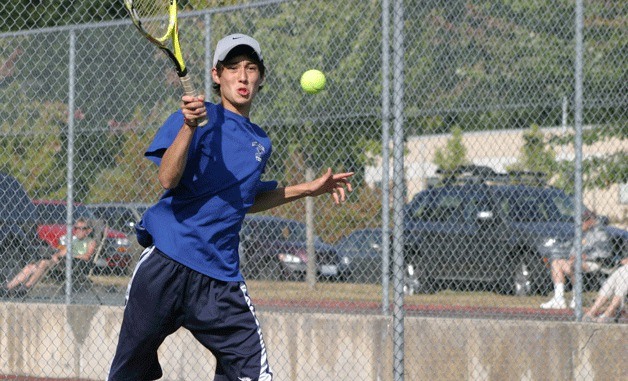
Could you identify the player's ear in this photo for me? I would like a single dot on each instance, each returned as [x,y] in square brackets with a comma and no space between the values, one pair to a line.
[215,75]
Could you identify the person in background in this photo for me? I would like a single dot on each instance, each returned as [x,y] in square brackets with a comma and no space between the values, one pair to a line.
[83,247]
[595,246]
[615,290]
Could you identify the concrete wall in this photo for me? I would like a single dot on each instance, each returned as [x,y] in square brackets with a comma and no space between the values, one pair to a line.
[79,341]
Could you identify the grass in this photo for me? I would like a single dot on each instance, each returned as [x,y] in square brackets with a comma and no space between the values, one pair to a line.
[301,293]
[350,292]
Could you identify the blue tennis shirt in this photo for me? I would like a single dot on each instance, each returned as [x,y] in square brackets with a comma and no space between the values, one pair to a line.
[198,222]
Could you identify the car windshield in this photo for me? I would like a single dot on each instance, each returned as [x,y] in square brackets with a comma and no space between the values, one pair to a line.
[361,241]
[52,214]
[116,217]
[538,206]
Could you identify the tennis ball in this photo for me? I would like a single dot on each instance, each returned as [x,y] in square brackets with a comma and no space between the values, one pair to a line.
[313,81]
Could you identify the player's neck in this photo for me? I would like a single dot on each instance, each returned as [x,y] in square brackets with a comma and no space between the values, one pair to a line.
[243,110]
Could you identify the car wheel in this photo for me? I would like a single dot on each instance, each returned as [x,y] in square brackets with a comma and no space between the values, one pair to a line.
[415,280]
[521,283]
[525,276]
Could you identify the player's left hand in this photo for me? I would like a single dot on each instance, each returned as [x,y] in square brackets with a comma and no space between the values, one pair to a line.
[335,184]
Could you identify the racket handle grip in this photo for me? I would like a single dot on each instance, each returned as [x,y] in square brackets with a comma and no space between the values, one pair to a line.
[188,89]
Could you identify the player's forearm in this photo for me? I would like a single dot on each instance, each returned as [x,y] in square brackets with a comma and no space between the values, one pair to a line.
[276,197]
[175,158]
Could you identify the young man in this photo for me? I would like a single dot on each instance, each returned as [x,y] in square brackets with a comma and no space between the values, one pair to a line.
[190,274]
[595,246]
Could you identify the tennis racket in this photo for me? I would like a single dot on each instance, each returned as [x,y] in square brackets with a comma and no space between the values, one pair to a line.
[157,21]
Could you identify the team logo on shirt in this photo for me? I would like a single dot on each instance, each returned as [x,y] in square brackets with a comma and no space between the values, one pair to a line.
[260,150]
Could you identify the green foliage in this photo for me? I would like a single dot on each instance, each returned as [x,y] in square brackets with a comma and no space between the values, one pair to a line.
[454,153]
[472,65]
[598,171]
[33,145]
[132,178]
[32,14]
[538,154]
[535,155]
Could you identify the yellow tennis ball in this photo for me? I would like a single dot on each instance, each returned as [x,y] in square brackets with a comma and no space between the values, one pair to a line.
[313,81]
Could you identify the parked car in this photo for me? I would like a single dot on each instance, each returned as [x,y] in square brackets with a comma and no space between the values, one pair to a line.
[19,243]
[275,248]
[360,256]
[114,258]
[118,215]
[478,228]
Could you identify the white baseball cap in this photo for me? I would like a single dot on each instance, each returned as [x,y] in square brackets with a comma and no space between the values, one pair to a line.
[227,44]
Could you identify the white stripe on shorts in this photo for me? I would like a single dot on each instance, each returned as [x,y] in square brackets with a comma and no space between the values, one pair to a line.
[266,373]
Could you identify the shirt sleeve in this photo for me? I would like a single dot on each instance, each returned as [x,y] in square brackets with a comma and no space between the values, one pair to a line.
[164,137]
[264,186]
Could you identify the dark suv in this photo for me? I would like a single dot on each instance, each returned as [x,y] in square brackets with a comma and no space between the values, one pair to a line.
[496,231]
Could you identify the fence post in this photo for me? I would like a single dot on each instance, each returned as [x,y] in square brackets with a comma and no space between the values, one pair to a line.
[578,162]
[385,156]
[208,57]
[398,196]
[70,169]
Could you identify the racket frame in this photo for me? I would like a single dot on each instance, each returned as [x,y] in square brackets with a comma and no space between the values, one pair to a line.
[175,54]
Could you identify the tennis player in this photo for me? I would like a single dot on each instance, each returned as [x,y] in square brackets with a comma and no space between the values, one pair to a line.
[189,274]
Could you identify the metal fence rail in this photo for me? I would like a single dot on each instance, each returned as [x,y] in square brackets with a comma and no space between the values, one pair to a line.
[481,134]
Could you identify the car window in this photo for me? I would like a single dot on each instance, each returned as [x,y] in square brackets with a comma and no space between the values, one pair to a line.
[474,205]
[276,230]
[361,241]
[528,210]
[565,207]
[447,207]
[418,205]
[119,218]
[538,207]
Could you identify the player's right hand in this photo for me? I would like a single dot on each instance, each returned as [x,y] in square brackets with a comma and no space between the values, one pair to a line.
[193,109]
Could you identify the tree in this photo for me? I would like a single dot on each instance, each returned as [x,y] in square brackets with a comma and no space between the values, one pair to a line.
[32,14]
[536,156]
[598,171]
[454,153]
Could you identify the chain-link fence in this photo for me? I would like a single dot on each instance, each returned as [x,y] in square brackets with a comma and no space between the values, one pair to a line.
[482,135]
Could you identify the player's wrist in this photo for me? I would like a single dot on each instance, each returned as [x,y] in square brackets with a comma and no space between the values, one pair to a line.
[192,123]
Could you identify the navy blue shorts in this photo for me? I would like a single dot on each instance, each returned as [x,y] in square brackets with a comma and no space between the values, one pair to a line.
[163,295]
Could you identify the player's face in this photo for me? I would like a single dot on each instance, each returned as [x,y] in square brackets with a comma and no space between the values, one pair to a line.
[239,83]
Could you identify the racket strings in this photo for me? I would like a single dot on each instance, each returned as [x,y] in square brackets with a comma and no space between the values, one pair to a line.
[153,16]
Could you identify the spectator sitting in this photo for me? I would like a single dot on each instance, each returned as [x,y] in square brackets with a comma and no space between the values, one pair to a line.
[595,246]
[83,247]
[615,289]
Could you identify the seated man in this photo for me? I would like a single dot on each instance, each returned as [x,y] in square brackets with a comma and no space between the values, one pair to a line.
[614,289]
[83,247]
[595,246]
